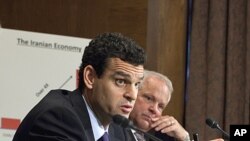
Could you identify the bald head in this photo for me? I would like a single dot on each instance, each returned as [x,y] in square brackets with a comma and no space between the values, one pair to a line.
[155,75]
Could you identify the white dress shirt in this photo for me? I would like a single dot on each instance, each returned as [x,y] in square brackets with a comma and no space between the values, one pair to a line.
[97,127]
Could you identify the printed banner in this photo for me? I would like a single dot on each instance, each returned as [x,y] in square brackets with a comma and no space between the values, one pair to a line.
[31,65]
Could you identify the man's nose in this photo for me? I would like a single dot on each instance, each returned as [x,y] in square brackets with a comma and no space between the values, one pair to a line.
[131,93]
[154,109]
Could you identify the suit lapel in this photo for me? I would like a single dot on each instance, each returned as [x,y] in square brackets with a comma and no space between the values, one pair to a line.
[116,133]
[81,109]
[130,135]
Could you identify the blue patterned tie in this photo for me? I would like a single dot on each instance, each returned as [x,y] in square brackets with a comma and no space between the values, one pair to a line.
[105,137]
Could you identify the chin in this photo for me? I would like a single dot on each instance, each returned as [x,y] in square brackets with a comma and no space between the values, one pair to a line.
[145,126]
[122,114]
[125,115]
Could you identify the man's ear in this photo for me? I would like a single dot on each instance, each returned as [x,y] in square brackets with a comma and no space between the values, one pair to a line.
[89,76]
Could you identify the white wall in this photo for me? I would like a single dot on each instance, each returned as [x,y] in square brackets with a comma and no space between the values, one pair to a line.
[31,64]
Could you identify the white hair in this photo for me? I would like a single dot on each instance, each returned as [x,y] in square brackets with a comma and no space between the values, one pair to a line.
[148,73]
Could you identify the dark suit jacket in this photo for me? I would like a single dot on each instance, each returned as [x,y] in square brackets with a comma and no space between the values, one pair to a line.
[60,116]
[130,137]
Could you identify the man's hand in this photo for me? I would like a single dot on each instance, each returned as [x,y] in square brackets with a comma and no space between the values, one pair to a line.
[170,126]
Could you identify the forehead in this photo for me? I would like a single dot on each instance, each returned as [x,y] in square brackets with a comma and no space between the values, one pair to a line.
[116,64]
[157,88]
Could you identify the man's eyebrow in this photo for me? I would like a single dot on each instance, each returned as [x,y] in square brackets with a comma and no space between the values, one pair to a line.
[120,73]
[126,75]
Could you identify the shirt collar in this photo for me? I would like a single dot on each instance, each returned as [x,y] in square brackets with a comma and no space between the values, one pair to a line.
[97,128]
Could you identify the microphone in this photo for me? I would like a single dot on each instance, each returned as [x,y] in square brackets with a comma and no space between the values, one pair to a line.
[213,124]
[126,123]
[195,137]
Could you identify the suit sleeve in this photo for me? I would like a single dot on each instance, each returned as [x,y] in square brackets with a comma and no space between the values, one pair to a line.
[57,124]
[164,137]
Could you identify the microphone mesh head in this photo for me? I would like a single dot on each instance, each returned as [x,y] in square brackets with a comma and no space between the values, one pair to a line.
[211,123]
[121,120]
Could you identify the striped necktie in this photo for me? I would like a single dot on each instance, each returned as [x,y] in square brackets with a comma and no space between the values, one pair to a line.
[139,136]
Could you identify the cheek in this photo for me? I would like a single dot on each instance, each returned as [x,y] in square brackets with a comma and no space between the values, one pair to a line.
[105,90]
[102,93]
[140,107]
[110,95]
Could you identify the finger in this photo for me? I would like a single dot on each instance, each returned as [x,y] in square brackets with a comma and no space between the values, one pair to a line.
[161,120]
[168,129]
[164,123]
[155,119]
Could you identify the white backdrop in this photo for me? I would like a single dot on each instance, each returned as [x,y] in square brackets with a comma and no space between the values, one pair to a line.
[31,64]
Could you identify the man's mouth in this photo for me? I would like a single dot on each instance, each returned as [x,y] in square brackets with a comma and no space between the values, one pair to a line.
[126,108]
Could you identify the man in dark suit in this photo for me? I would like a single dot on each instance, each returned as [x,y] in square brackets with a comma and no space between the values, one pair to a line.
[109,76]
[154,95]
